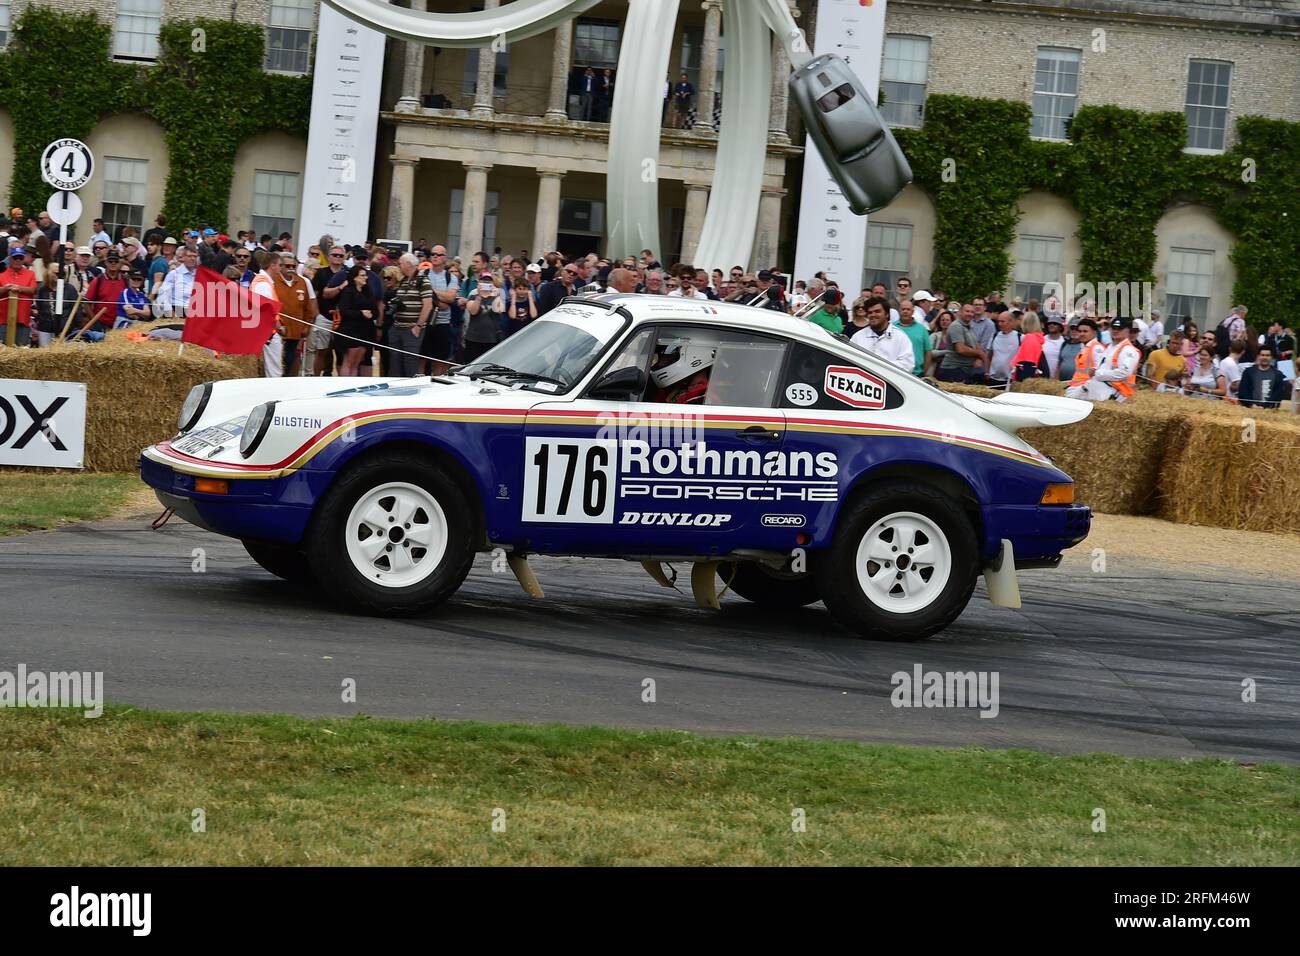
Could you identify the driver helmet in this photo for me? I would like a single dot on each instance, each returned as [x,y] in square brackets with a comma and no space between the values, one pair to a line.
[681,357]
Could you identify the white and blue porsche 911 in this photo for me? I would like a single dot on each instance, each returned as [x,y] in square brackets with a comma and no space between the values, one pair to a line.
[777,459]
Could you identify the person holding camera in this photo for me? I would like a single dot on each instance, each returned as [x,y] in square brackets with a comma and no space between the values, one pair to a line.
[483,312]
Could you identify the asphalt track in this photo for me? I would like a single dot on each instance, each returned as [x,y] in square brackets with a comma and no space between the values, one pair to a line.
[1143,659]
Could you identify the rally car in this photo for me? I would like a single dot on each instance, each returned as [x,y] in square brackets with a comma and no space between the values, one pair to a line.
[776,459]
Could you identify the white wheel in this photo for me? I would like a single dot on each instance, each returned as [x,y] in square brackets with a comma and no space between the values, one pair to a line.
[396,534]
[903,562]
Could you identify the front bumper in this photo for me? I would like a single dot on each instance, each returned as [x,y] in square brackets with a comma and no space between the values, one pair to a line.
[267,509]
[1039,533]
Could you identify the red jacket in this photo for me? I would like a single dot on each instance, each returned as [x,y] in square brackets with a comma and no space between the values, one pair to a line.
[102,297]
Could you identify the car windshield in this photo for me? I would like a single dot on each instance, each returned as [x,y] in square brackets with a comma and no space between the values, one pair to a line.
[554,352]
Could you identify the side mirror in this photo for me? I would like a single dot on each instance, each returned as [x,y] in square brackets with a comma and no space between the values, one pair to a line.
[621,385]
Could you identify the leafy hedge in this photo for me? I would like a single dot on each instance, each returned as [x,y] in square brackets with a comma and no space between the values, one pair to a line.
[1122,170]
[207,91]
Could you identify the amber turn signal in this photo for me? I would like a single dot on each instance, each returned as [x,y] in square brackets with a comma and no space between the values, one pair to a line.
[1059,494]
[212,486]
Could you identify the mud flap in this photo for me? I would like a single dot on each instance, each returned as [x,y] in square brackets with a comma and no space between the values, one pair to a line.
[704,584]
[1000,577]
[524,575]
[656,570]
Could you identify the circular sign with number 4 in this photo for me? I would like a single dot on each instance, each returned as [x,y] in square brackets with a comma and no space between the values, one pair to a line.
[67,164]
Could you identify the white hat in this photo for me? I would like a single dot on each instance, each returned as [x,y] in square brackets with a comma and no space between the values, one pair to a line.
[920,295]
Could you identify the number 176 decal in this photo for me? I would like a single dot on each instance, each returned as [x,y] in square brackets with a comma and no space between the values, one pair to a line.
[570,480]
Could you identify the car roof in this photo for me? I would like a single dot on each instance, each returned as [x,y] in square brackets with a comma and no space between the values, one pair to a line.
[659,308]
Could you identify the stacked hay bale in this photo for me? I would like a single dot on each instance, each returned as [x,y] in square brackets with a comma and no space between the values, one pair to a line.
[1182,459]
[134,390]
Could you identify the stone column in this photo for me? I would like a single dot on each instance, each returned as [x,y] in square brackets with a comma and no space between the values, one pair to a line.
[776,131]
[546,225]
[708,66]
[413,70]
[487,63]
[401,197]
[768,234]
[473,209]
[697,204]
[557,107]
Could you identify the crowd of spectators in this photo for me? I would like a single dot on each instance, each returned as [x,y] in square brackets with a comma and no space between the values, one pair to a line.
[428,311]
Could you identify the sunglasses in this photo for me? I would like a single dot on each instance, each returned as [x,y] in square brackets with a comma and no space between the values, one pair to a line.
[333,255]
[437,253]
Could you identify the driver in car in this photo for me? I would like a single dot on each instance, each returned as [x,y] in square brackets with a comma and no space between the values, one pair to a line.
[681,370]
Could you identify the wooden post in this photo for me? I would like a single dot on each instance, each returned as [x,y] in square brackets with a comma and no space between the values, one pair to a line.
[75,306]
[11,320]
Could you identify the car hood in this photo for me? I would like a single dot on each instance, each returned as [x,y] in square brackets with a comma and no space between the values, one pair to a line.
[311,411]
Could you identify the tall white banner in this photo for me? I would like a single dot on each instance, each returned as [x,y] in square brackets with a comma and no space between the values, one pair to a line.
[831,239]
[344,122]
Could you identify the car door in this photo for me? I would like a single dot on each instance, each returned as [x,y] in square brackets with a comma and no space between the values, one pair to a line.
[842,414]
[685,466]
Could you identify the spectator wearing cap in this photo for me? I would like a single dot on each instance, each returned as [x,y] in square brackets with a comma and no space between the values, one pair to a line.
[98,234]
[208,249]
[133,255]
[17,292]
[161,264]
[1053,343]
[767,284]
[927,306]
[133,305]
[1115,375]
[104,294]
[1263,385]
[916,331]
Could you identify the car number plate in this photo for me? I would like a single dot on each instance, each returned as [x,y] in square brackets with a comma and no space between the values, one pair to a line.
[201,441]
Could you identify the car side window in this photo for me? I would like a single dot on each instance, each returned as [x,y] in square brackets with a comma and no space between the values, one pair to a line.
[635,354]
[709,366]
[820,380]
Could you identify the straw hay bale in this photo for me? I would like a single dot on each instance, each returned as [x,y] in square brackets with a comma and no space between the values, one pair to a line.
[1187,460]
[134,390]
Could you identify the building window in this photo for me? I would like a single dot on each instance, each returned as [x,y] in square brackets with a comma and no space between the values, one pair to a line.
[889,253]
[1207,103]
[4,22]
[489,224]
[903,77]
[595,44]
[275,201]
[288,36]
[1038,262]
[1056,91]
[125,181]
[1191,272]
[135,31]
[501,68]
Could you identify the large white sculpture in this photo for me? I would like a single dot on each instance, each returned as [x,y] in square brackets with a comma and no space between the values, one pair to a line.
[631,194]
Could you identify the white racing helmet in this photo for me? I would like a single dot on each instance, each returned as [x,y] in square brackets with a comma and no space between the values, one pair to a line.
[681,357]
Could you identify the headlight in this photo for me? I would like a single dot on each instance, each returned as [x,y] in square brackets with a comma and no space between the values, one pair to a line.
[259,420]
[196,402]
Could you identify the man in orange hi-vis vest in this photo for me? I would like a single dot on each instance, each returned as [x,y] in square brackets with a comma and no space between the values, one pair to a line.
[1086,361]
[1115,375]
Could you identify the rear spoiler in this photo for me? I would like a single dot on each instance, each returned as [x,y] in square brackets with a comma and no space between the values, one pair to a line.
[1011,411]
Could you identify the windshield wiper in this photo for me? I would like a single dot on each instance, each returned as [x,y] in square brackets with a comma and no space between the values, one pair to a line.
[505,370]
